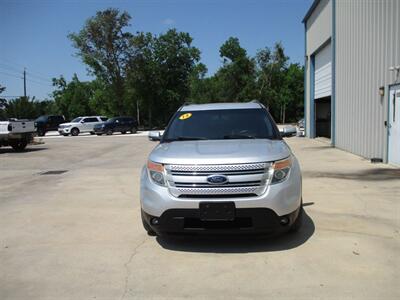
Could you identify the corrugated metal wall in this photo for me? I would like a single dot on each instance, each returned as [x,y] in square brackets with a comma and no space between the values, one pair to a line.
[367,44]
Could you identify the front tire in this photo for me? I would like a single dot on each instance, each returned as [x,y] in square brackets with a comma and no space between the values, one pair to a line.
[109,132]
[133,130]
[41,133]
[74,131]
[299,221]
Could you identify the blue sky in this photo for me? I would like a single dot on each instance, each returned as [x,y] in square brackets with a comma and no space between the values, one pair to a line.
[34,32]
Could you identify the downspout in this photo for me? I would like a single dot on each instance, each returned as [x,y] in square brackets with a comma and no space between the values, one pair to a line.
[333,97]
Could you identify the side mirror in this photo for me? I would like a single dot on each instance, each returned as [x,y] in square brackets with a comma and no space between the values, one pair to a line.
[154,136]
[288,131]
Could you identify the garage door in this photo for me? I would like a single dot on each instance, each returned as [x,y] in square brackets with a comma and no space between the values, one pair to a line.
[323,73]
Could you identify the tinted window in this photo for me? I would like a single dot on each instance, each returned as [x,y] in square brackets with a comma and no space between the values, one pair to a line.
[76,120]
[90,120]
[103,119]
[221,124]
[42,119]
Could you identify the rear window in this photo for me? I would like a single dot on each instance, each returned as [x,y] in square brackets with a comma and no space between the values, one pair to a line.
[221,124]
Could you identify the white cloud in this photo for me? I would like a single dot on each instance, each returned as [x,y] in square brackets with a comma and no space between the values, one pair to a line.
[168,21]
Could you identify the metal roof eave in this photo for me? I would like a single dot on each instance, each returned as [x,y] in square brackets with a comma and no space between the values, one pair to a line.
[310,10]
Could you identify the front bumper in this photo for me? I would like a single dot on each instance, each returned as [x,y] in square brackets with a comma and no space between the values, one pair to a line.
[282,198]
[247,221]
[65,130]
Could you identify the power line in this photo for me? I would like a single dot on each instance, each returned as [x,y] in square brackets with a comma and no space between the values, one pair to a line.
[48,83]
[8,74]
[37,75]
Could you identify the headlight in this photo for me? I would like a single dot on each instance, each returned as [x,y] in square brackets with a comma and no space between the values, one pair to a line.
[281,170]
[156,172]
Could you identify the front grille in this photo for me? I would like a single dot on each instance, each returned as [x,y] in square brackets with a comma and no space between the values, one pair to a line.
[244,180]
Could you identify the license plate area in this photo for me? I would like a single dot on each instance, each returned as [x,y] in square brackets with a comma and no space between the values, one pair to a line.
[217,211]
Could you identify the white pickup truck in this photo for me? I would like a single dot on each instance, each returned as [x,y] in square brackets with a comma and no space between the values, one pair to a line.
[17,133]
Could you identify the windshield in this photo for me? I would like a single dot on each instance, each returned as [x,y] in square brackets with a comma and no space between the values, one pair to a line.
[221,124]
[76,120]
[41,119]
[111,120]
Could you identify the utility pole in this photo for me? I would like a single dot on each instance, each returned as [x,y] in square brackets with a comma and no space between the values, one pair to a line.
[25,82]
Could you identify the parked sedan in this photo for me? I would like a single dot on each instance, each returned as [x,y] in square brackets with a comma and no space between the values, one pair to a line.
[117,124]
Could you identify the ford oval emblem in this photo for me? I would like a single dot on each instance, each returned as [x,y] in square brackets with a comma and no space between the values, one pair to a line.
[217,179]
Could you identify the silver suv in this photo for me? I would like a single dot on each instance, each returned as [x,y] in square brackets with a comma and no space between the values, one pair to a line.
[221,168]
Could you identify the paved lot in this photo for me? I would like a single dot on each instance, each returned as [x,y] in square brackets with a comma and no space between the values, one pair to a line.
[78,235]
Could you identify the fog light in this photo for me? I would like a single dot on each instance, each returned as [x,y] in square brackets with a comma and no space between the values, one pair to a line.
[284,221]
[154,221]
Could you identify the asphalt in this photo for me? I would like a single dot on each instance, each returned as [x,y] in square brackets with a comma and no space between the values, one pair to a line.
[78,234]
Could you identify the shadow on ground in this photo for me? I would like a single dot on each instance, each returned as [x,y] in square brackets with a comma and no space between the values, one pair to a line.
[27,150]
[379,174]
[241,244]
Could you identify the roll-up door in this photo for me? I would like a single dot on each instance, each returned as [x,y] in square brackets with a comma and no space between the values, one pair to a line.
[323,73]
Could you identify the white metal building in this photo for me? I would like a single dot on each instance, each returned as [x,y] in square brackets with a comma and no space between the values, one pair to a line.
[352,78]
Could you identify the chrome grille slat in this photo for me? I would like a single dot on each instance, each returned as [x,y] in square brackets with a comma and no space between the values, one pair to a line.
[249,172]
[244,179]
[218,168]
[218,191]
[233,184]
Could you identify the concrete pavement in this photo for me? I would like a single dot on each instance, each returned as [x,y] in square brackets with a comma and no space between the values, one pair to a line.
[78,235]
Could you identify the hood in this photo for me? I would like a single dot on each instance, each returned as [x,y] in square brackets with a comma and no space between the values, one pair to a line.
[220,151]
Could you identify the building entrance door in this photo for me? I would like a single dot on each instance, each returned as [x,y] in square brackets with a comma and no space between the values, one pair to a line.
[394,126]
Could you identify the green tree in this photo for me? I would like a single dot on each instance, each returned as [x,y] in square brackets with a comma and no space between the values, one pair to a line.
[74,98]
[106,49]
[236,77]
[21,108]
[159,73]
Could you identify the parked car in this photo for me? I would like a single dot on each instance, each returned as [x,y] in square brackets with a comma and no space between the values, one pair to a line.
[80,124]
[48,123]
[221,168]
[17,133]
[301,129]
[300,123]
[117,124]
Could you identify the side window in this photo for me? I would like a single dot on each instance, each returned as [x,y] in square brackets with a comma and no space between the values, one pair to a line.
[85,120]
[103,119]
[90,120]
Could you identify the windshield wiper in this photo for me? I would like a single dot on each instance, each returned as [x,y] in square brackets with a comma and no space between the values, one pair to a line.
[187,138]
[239,136]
